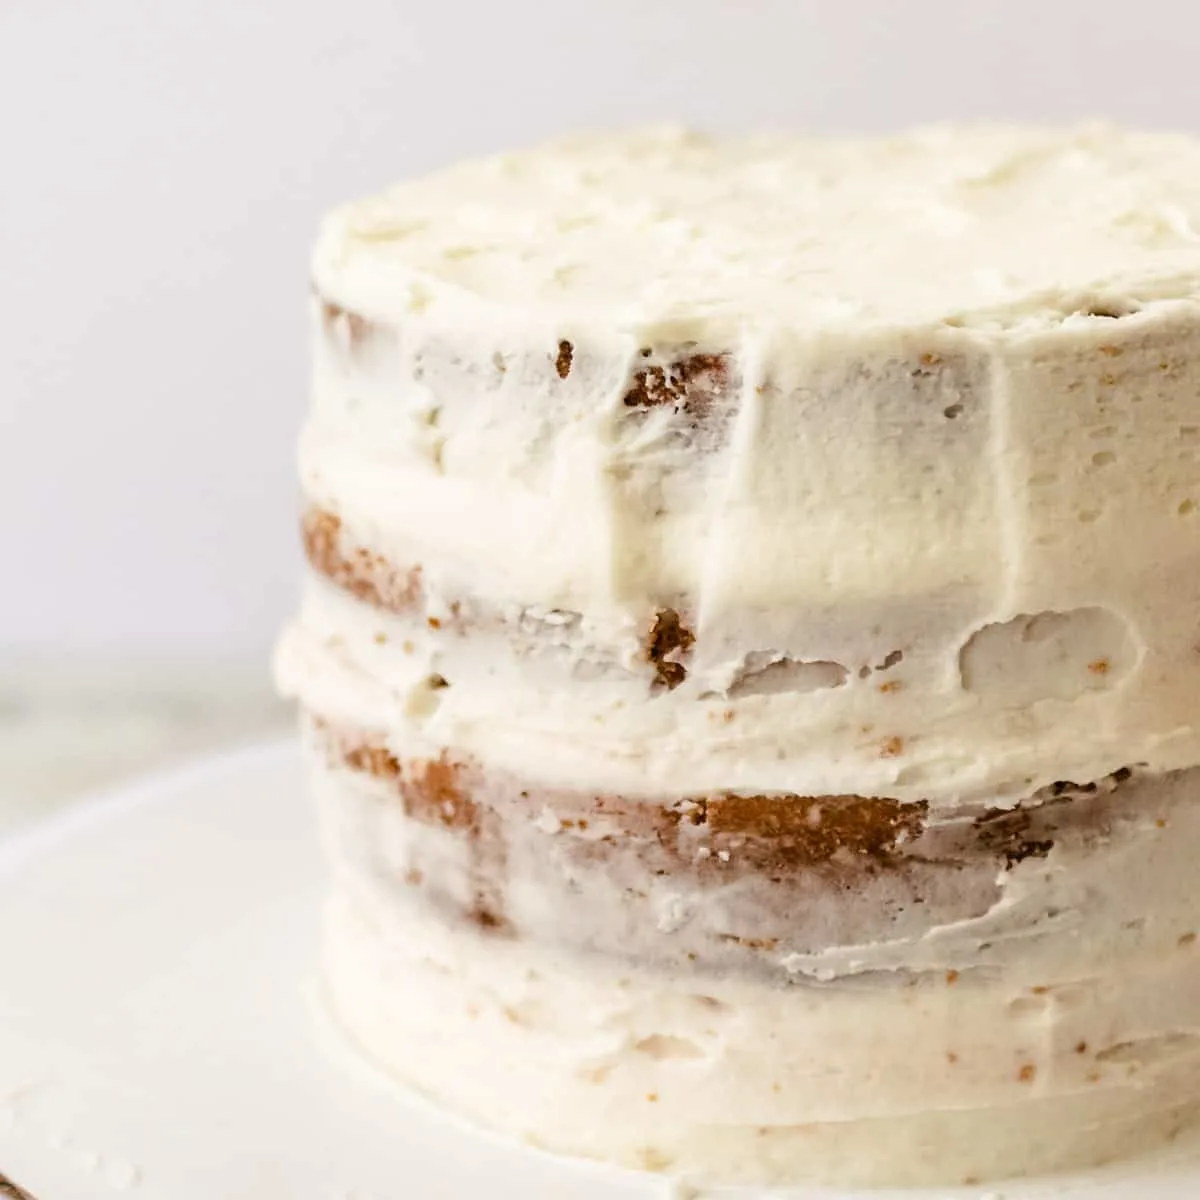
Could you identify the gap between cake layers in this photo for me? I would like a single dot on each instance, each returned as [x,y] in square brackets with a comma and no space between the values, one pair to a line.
[742,752]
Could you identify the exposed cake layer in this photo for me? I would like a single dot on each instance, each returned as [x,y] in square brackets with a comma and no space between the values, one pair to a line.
[728,1079]
[779,887]
[625,704]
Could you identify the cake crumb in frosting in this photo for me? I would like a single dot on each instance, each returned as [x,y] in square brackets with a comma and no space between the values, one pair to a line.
[669,639]
[690,384]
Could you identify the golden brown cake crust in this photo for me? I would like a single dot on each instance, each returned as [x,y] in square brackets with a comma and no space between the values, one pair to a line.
[764,875]
[789,832]
[400,590]
[357,570]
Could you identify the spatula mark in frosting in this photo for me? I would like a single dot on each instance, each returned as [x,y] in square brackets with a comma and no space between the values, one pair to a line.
[766,673]
[1048,654]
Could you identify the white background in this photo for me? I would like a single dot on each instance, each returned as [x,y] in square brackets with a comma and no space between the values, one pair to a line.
[163,163]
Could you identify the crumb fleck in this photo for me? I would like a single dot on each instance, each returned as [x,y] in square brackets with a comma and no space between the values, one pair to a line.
[951,977]
[1081,1047]
[1187,939]
[669,640]
[1098,666]
[691,384]
[951,1057]
[892,685]
[751,943]
[891,747]
[1027,1073]
[434,623]
[562,364]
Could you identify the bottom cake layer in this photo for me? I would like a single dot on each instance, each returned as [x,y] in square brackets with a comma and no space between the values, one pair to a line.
[900,1081]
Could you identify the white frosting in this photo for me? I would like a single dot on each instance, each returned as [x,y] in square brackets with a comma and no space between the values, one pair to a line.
[737,1081]
[924,487]
[669,231]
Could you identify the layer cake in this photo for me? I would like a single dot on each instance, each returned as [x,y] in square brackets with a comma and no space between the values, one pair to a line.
[750,653]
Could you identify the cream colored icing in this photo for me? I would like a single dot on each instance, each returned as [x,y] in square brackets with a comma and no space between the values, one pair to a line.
[733,1080]
[665,231]
[934,530]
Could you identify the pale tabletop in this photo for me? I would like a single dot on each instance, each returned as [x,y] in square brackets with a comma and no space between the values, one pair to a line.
[73,726]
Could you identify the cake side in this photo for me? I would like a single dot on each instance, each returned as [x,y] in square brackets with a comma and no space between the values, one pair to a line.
[748,655]
[939,1083]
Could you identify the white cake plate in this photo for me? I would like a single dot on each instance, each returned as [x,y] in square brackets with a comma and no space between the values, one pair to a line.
[159,1035]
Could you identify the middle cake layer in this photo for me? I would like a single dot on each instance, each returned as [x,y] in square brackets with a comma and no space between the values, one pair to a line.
[785,886]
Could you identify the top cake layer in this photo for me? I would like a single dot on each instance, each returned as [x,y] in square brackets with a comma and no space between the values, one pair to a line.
[675,234]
